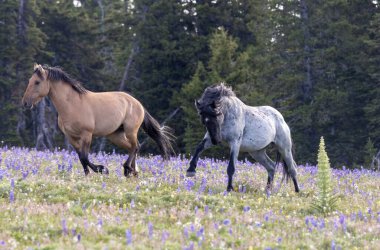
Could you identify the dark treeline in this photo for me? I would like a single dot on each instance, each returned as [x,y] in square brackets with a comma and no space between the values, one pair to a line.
[318,62]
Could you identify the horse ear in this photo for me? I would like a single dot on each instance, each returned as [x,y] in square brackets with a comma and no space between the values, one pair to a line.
[197,104]
[40,69]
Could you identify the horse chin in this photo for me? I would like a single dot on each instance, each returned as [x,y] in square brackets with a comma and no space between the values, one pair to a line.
[215,141]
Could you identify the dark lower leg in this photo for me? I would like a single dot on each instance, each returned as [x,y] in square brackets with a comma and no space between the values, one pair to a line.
[84,161]
[297,189]
[193,163]
[230,172]
[98,168]
[128,168]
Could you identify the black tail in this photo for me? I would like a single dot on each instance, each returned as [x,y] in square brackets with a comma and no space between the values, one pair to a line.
[285,172]
[285,169]
[161,135]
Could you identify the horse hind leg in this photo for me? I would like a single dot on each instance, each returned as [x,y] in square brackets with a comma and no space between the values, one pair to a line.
[129,143]
[289,165]
[262,157]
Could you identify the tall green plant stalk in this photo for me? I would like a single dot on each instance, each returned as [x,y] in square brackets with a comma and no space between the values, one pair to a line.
[325,201]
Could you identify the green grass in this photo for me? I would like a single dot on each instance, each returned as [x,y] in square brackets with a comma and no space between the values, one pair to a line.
[101,208]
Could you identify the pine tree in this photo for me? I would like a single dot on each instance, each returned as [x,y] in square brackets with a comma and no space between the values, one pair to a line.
[21,40]
[223,65]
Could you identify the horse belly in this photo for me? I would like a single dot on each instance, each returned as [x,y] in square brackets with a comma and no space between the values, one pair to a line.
[108,119]
[108,124]
[257,136]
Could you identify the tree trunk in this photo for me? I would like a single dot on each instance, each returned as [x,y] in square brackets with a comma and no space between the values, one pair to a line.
[100,4]
[21,29]
[376,161]
[308,83]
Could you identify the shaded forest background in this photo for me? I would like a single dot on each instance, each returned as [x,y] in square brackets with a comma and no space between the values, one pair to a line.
[316,61]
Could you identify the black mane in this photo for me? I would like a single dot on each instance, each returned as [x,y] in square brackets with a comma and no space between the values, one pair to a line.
[57,74]
[210,101]
[215,93]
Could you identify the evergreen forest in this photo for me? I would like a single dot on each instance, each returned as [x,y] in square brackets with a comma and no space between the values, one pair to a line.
[317,62]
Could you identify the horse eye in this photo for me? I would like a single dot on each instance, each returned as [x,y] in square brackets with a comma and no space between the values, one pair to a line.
[37,82]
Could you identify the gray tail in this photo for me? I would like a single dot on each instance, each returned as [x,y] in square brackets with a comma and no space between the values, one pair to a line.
[163,136]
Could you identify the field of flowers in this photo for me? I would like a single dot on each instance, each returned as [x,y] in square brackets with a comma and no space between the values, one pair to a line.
[46,202]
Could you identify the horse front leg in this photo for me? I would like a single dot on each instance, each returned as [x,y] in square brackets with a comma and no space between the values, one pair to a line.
[203,145]
[231,165]
[82,146]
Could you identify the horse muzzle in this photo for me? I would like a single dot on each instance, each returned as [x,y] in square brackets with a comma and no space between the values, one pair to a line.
[216,141]
[27,104]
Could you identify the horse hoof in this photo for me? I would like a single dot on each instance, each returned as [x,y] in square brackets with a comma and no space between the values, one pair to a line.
[190,174]
[229,189]
[105,171]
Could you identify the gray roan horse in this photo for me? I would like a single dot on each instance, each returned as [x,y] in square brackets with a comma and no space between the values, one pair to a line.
[246,129]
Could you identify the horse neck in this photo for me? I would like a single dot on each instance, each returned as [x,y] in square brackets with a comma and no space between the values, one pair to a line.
[63,97]
[230,106]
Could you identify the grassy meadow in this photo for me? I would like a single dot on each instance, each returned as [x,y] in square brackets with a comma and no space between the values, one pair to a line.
[46,202]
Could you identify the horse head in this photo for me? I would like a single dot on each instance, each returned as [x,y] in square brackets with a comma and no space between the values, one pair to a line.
[38,87]
[211,115]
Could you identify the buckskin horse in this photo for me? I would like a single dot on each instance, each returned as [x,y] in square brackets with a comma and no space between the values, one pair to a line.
[83,114]
[246,129]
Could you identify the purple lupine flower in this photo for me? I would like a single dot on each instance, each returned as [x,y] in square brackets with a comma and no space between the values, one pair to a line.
[206,209]
[100,222]
[279,240]
[103,185]
[200,232]
[70,167]
[11,196]
[128,236]
[79,237]
[189,184]
[73,231]
[266,217]
[150,230]
[342,220]
[186,232]
[64,227]
[226,222]
[132,203]
[25,174]
[165,236]
[246,208]
[190,247]
[12,183]
[196,209]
